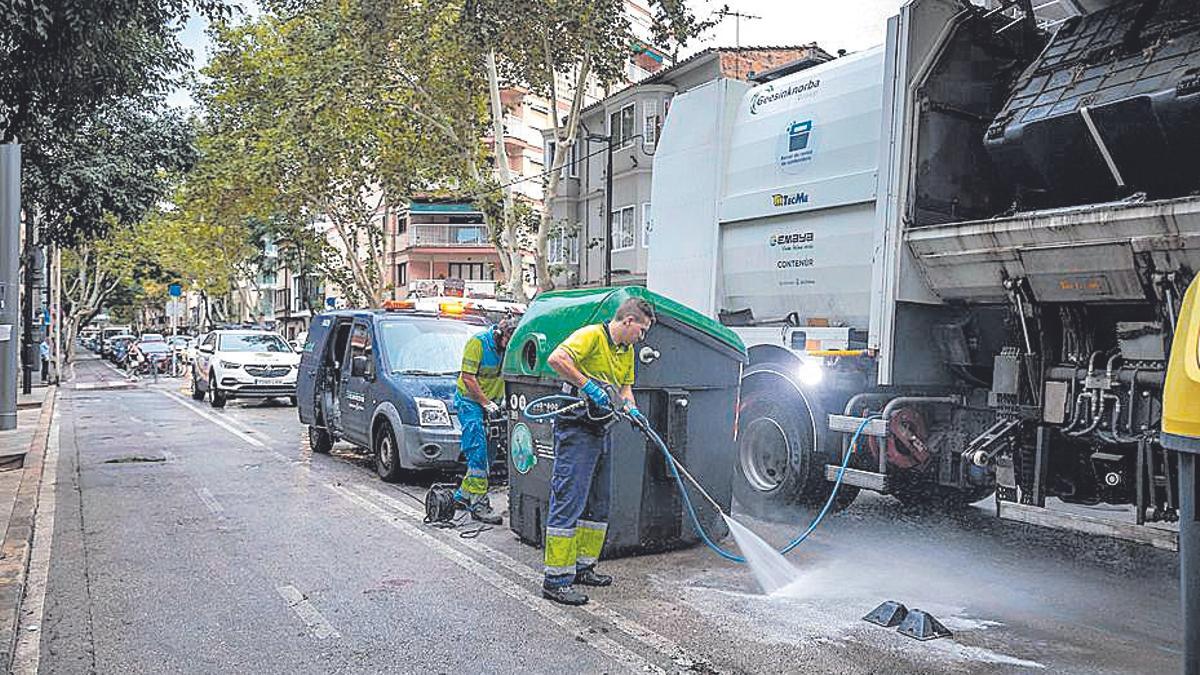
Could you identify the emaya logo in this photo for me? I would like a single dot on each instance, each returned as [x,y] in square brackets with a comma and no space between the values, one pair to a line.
[769,95]
[778,199]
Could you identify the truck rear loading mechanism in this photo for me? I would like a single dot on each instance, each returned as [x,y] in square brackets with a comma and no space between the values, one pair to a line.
[979,232]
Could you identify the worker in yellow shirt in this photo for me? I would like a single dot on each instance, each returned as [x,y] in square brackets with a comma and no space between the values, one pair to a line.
[480,394]
[592,358]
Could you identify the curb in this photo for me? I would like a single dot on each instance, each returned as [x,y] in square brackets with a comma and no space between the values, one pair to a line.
[18,540]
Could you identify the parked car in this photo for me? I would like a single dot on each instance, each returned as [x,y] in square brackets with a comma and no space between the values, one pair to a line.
[384,380]
[149,357]
[244,364]
[152,337]
[181,346]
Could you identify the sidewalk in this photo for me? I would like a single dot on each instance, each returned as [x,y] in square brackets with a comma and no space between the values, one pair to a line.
[21,451]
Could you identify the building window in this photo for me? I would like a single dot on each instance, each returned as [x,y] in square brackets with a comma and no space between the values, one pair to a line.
[570,169]
[469,271]
[623,228]
[650,124]
[402,275]
[620,126]
[402,224]
[564,249]
[646,225]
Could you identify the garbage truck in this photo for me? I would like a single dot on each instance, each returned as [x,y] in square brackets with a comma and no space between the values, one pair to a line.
[968,244]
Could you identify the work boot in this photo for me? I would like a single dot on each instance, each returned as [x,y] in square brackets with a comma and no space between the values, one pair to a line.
[590,577]
[483,513]
[565,595]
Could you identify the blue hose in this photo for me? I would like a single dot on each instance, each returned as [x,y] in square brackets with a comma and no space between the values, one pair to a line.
[687,500]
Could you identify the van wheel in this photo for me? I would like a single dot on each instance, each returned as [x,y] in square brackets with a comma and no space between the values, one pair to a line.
[387,454]
[780,462]
[319,440]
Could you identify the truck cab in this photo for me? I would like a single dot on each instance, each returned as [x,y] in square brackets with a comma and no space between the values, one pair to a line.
[384,381]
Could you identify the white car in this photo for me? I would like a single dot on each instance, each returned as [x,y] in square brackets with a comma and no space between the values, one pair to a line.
[244,364]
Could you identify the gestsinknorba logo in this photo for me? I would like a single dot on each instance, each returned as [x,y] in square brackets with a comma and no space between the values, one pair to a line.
[778,199]
[769,95]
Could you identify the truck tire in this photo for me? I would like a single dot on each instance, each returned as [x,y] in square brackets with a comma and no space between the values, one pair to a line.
[387,454]
[319,440]
[779,461]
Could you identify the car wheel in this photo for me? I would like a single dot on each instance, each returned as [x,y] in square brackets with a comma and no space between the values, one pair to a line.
[387,454]
[319,440]
[197,394]
[218,397]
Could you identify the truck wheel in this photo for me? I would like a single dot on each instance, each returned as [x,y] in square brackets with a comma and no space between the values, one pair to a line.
[387,454]
[779,460]
[319,440]
[197,394]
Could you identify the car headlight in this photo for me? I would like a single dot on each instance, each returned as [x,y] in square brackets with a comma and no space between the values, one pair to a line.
[227,364]
[432,413]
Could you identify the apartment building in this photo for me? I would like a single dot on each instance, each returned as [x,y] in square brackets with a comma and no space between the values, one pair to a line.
[632,118]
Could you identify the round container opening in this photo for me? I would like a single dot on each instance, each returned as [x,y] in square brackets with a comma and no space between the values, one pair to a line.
[529,355]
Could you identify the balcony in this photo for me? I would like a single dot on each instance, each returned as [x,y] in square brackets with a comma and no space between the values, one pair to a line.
[444,235]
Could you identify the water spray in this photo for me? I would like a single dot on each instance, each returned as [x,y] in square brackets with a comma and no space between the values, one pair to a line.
[679,472]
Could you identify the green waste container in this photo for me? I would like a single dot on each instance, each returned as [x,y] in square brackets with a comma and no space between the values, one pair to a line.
[687,373]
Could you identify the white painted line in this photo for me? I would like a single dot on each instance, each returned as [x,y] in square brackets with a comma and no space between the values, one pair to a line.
[211,502]
[214,419]
[27,655]
[136,420]
[528,596]
[105,385]
[307,613]
[629,627]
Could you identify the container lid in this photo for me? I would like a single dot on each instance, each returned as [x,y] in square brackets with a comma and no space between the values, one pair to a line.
[554,315]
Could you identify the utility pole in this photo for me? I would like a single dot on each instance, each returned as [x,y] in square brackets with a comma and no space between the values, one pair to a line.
[10,265]
[737,35]
[29,351]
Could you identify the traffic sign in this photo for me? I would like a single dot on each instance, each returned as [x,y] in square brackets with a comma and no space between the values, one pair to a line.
[175,290]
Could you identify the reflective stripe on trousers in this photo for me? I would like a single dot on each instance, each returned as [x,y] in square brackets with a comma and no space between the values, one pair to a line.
[580,489]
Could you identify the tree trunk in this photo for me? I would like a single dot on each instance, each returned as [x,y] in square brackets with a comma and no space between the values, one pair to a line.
[510,245]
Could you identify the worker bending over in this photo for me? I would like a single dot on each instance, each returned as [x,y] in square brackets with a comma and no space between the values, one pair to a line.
[592,358]
[480,395]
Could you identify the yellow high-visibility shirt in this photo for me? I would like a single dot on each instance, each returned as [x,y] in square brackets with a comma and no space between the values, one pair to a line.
[598,357]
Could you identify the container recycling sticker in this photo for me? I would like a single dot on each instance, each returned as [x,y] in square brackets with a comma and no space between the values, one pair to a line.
[521,444]
[795,149]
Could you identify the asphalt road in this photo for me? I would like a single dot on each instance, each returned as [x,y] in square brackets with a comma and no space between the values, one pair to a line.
[188,539]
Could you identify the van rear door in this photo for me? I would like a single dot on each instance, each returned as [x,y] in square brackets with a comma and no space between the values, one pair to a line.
[310,365]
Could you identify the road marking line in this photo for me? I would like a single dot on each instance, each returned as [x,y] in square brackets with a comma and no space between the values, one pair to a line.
[629,627]
[523,594]
[211,502]
[27,655]
[136,420]
[214,419]
[307,612]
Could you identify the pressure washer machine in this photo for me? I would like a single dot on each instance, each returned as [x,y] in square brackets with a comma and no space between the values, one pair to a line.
[687,373]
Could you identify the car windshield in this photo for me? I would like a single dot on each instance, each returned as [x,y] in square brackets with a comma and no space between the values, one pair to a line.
[425,346]
[153,347]
[252,342]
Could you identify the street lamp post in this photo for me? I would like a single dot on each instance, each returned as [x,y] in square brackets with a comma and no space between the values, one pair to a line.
[608,182]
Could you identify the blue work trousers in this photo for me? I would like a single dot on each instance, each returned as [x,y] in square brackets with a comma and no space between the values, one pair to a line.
[472,419]
[580,491]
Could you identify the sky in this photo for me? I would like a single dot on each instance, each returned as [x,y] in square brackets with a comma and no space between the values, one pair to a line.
[852,25]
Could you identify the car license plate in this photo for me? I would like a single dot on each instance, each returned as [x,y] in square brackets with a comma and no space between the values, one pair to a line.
[267,381]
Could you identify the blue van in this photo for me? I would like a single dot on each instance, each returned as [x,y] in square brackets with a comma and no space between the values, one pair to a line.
[384,380]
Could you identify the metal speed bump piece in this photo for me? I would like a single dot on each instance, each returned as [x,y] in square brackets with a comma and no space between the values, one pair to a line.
[921,625]
[889,614]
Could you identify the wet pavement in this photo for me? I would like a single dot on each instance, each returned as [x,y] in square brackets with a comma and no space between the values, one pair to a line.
[188,539]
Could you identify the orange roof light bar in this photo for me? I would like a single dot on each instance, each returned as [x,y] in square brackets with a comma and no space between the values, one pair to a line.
[394,305]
